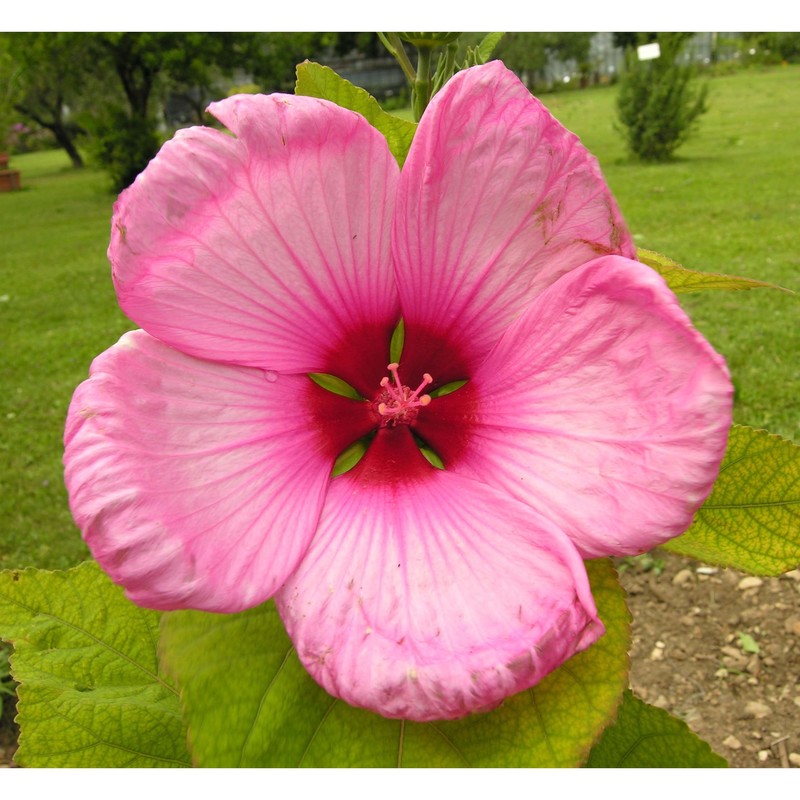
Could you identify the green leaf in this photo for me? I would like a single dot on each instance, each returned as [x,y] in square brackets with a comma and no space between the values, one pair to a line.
[680,279]
[483,52]
[748,643]
[644,736]
[314,80]
[751,520]
[91,693]
[249,702]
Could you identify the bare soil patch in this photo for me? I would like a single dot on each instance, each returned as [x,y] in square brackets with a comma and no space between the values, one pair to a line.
[8,732]
[720,650]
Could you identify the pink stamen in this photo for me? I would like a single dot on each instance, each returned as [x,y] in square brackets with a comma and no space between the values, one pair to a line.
[398,403]
[426,379]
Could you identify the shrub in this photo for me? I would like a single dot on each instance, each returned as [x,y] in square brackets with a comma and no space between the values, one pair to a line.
[772,48]
[22,138]
[658,102]
[123,146]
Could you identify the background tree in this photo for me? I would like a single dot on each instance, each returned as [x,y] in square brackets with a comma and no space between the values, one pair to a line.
[629,40]
[528,54]
[782,46]
[525,53]
[41,79]
[150,67]
[127,91]
[7,114]
[575,47]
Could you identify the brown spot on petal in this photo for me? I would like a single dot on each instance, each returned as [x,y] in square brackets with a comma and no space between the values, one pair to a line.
[522,665]
[601,249]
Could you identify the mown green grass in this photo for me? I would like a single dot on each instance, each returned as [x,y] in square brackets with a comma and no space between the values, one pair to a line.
[58,311]
[730,203]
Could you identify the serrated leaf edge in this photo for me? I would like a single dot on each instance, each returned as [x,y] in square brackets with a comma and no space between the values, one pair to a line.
[650,259]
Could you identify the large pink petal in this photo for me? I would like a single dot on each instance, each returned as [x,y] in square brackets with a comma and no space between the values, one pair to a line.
[267,249]
[199,484]
[426,595]
[602,408]
[496,200]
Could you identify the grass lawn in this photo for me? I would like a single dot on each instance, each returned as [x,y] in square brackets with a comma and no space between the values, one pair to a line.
[58,311]
[730,204]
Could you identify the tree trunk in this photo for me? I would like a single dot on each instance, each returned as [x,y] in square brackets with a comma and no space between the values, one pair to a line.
[64,133]
[65,141]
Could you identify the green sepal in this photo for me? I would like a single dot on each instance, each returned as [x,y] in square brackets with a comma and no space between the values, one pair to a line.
[314,80]
[430,455]
[682,280]
[249,702]
[751,520]
[648,737]
[447,388]
[396,345]
[333,384]
[91,693]
[349,457]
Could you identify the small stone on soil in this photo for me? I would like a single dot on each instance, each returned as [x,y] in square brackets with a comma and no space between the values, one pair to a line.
[763,755]
[732,742]
[750,582]
[707,570]
[792,625]
[756,709]
[661,702]
[682,577]
[794,758]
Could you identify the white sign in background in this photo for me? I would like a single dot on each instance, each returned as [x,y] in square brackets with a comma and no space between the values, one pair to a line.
[648,51]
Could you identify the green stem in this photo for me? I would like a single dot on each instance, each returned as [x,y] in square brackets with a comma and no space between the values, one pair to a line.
[394,45]
[422,82]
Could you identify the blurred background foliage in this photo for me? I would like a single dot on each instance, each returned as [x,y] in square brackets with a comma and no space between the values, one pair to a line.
[114,97]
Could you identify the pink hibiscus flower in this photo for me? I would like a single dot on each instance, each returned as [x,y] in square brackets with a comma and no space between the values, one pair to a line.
[199,453]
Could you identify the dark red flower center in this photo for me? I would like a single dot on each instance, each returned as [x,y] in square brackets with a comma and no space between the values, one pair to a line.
[356,406]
